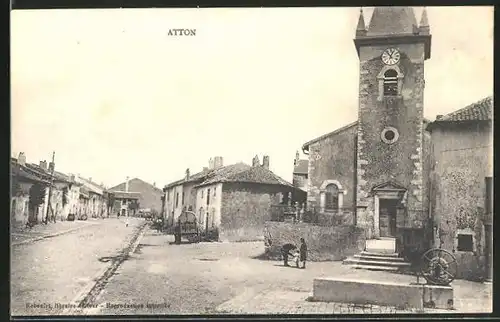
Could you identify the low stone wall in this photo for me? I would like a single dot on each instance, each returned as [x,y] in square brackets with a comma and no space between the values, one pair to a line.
[323,243]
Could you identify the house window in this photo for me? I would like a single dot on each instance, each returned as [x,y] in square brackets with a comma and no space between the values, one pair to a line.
[332,197]
[208,196]
[202,194]
[215,189]
[176,200]
[391,83]
[183,198]
[465,243]
[168,195]
[124,201]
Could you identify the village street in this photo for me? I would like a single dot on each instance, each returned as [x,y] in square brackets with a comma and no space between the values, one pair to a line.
[59,270]
[163,278]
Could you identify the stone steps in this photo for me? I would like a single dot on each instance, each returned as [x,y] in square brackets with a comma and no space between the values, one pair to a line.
[377,261]
[372,267]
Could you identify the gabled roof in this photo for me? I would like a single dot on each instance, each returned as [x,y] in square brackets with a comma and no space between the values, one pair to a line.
[224,173]
[25,173]
[192,178]
[243,173]
[306,145]
[302,167]
[121,186]
[126,195]
[479,111]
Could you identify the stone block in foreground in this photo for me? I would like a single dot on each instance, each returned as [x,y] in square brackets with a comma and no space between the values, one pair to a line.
[386,293]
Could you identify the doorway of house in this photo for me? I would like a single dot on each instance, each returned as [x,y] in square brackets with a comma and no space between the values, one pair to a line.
[387,217]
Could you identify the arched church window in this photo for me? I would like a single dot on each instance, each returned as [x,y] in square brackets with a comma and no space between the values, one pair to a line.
[331,197]
[390,83]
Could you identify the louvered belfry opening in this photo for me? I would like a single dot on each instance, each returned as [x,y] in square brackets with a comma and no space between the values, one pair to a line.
[390,83]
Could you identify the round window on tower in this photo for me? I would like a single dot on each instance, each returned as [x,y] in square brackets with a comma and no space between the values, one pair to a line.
[389,135]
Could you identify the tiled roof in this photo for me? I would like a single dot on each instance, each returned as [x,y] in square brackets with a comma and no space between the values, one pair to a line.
[478,111]
[244,173]
[192,178]
[58,176]
[23,172]
[301,167]
[223,173]
[391,20]
[126,195]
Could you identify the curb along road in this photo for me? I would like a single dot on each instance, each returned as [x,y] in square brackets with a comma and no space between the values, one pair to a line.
[84,302]
[27,241]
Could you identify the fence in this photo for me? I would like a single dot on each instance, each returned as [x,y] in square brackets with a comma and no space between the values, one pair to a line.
[314,215]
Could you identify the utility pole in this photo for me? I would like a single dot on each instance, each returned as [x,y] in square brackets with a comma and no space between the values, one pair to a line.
[50,187]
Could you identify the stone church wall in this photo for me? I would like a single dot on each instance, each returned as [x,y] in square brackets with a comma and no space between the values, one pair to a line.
[333,158]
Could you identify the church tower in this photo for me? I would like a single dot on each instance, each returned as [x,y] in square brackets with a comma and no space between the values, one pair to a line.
[392,50]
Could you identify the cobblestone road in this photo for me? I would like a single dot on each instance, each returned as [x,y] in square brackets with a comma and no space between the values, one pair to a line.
[56,269]
[161,278]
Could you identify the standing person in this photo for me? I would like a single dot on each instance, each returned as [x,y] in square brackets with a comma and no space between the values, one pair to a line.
[303,252]
[286,251]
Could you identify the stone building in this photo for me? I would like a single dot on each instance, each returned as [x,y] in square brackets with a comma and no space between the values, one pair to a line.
[462,185]
[234,200]
[92,198]
[150,196]
[377,170]
[300,172]
[24,183]
[123,197]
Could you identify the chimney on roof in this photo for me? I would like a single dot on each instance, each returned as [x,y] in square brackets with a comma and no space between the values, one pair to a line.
[265,162]
[438,117]
[43,164]
[187,174]
[205,169]
[52,166]
[126,184]
[218,162]
[21,159]
[72,177]
[154,184]
[255,161]
[90,179]
[211,164]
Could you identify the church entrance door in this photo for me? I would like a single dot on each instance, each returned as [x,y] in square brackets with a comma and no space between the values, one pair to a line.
[387,217]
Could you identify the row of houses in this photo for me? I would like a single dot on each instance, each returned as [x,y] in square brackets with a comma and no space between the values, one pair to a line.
[39,192]
[231,202]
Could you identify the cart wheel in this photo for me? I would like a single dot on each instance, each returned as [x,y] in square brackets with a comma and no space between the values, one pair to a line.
[439,266]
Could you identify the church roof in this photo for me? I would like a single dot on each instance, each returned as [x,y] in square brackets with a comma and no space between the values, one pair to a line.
[478,111]
[301,167]
[306,145]
[392,21]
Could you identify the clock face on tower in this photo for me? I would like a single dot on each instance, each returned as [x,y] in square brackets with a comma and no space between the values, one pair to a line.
[390,56]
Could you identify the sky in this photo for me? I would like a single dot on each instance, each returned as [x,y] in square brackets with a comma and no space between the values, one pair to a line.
[114,96]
